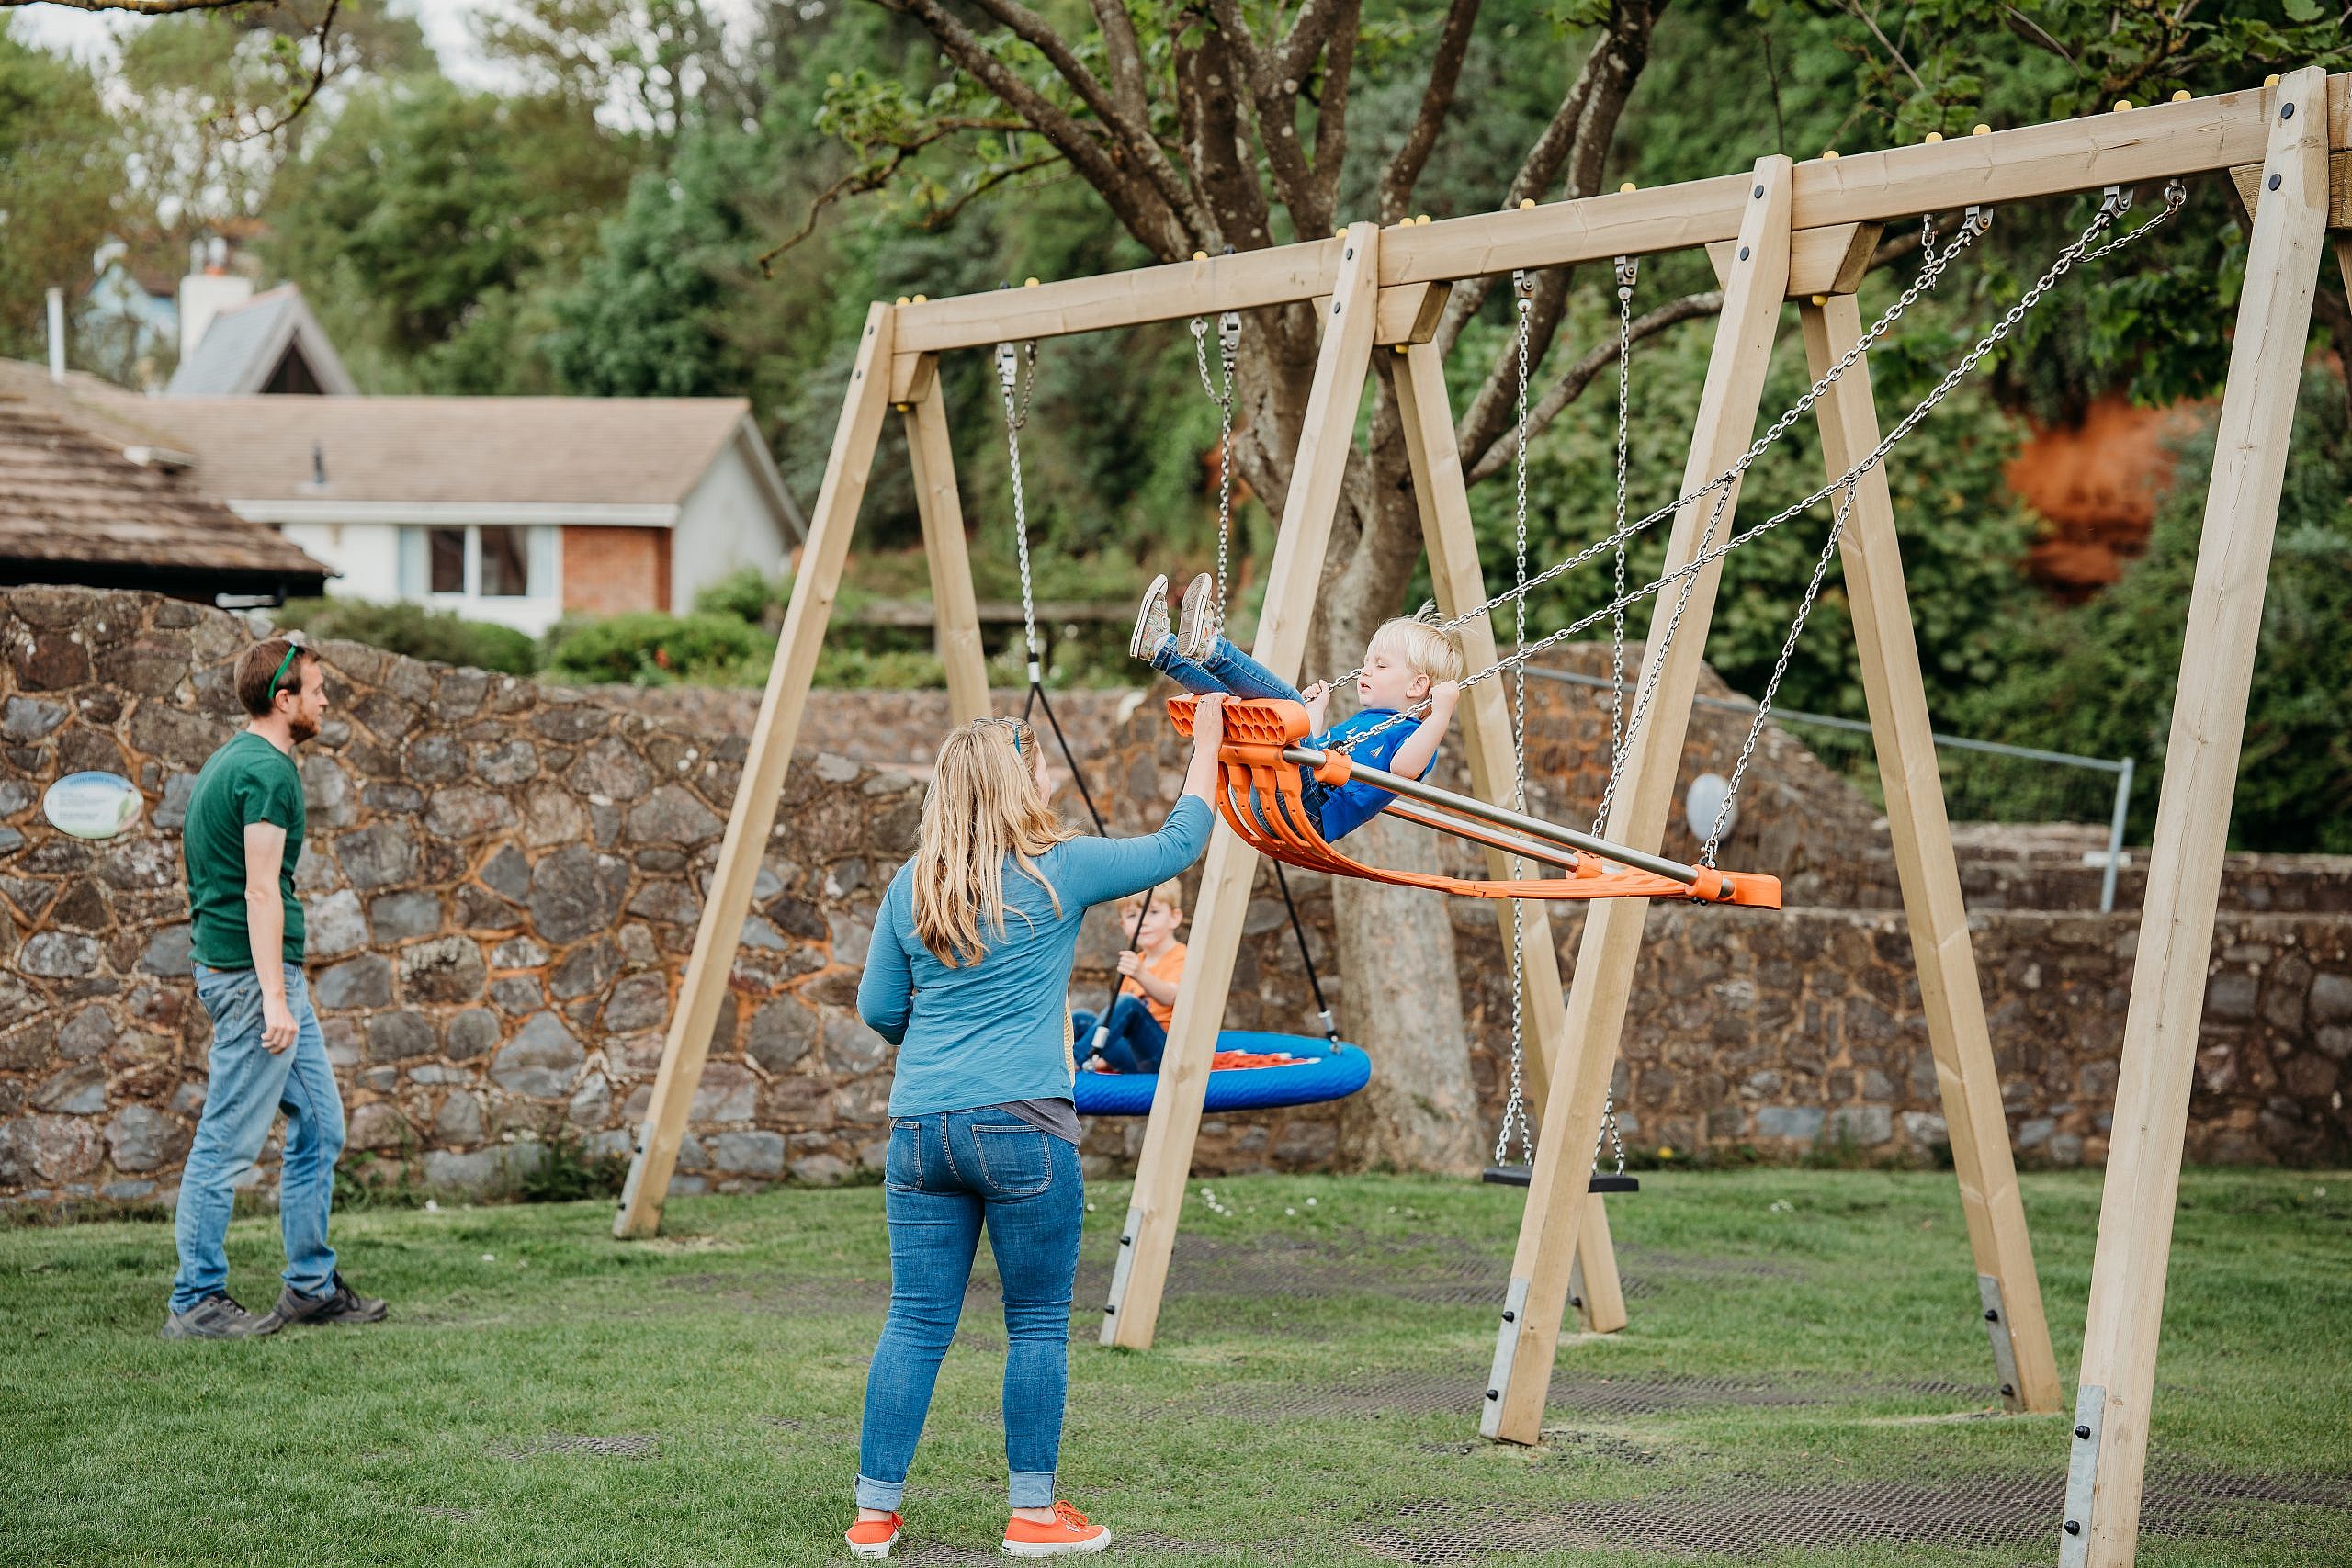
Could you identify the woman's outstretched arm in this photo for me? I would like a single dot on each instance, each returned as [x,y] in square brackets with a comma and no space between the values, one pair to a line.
[1096,871]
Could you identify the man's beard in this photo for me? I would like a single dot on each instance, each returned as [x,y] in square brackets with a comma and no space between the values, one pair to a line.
[299,729]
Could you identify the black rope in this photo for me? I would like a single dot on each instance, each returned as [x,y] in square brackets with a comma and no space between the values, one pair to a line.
[1314,984]
[1037,699]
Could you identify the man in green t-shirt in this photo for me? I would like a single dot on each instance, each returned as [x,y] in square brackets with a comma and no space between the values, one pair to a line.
[241,841]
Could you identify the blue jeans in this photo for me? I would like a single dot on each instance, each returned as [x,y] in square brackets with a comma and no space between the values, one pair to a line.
[246,1088]
[944,1176]
[1132,1039]
[1223,668]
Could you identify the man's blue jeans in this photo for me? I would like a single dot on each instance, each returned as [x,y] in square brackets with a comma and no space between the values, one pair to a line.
[1132,1039]
[947,1174]
[247,1088]
[1223,668]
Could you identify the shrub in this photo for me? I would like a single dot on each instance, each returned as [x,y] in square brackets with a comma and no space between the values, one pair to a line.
[569,1173]
[414,630]
[747,595]
[649,648]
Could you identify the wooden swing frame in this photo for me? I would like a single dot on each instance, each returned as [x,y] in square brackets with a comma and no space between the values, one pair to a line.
[1785,230]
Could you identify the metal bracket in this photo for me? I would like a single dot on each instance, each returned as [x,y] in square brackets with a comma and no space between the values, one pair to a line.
[2082,1477]
[2005,1353]
[1008,365]
[1228,336]
[1119,1268]
[1628,272]
[1522,285]
[1490,1412]
[2115,200]
[1978,217]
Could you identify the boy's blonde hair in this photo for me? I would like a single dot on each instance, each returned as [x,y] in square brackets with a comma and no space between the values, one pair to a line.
[1170,893]
[1420,647]
[982,808]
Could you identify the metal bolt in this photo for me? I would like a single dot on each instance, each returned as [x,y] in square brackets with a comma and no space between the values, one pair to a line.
[1742,253]
[1575,1300]
[2286,111]
[1335,307]
[1349,254]
[1510,1317]
[1107,1311]
[1991,1316]
[2073,1527]
[2007,1391]
[1127,1241]
[2274,182]
[2084,1433]
[1494,1393]
[1759,193]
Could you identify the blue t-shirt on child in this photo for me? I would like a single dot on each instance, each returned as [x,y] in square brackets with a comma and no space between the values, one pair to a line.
[1349,808]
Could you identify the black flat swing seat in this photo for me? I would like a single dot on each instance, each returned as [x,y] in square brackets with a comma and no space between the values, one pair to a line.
[1521,1175]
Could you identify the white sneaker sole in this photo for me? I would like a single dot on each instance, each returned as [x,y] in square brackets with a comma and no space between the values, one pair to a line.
[882,1550]
[1155,597]
[1058,1548]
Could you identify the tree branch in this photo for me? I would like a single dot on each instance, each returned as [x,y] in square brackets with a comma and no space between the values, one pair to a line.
[1124,56]
[1572,384]
[1209,102]
[1274,101]
[1132,132]
[1404,171]
[135,7]
[1332,109]
[1137,203]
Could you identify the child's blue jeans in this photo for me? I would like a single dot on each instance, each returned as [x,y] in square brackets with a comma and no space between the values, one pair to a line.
[247,1088]
[945,1175]
[1223,668]
[1132,1039]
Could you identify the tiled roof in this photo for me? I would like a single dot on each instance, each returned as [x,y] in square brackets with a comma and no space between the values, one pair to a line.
[69,494]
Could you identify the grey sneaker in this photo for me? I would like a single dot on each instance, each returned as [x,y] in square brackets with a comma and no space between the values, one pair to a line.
[218,1316]
[1151,620]
[1193,631]
[339,1304]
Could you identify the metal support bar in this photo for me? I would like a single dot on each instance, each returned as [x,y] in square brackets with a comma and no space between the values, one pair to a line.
[2115,838]
[1503,815]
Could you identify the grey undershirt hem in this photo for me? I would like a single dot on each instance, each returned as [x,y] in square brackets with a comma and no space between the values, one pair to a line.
[1058,1117]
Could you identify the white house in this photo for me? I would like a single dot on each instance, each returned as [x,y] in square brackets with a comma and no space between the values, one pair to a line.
[514,509]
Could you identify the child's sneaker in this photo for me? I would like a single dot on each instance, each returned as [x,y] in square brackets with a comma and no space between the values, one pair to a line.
[1193,630]
[872,1538]
[1151,620]
[1069,1535]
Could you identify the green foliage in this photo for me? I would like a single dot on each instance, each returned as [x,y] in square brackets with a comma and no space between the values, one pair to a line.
[2100,679]
[650,648]
[747,593]
[414,630]
[61,169]
[567,1172]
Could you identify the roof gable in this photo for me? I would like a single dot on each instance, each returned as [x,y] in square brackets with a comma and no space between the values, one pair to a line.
[246,349]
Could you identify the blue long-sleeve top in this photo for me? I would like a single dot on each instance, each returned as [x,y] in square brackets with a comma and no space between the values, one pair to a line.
[999,1030]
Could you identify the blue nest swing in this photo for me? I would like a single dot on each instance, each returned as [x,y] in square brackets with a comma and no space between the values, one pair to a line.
[1323,1071]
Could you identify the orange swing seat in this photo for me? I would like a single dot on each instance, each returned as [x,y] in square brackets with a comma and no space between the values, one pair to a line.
[1260,794]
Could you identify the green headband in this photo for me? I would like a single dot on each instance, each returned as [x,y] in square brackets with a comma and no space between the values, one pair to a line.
[291,649]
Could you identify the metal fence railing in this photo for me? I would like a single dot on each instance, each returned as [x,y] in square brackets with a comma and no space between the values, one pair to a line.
[2119,766]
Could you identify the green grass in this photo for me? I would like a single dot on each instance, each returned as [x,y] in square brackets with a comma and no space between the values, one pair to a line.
[739,1343]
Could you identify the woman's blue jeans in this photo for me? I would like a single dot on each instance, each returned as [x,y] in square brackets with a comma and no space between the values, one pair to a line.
[947,1175]
[1223,668]
[1132,1040]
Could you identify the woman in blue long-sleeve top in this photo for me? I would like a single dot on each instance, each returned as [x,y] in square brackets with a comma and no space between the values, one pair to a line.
[968,975]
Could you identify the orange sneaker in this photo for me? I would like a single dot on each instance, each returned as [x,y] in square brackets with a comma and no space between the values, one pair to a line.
[1069,1535]
[872,1538]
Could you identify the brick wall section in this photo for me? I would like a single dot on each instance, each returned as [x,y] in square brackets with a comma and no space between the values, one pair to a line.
[610,570]
[503,881]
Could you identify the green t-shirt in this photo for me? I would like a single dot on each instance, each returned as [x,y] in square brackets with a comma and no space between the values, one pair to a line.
[245,781]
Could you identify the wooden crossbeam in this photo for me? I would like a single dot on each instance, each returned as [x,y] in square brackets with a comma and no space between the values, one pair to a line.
[2153,142]
[1140,1271]
[1549,1229]
[1418,376]
[2224,623]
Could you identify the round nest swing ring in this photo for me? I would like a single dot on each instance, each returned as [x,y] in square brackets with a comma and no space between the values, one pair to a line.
[1316,1070]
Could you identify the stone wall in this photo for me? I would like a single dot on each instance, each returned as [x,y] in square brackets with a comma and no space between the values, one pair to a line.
[502,882]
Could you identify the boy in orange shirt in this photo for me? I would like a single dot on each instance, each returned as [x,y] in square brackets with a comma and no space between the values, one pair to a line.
[1135,1032]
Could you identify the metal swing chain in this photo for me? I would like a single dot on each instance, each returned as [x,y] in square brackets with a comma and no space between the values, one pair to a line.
[1628,274]
[1229,345]
[1930,272]
[1016,414]
[1515,1107]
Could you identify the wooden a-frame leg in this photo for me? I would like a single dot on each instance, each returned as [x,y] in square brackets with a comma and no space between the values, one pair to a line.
[1148,1238]
[952,601]
[2110,1444]
[2009,1292]
[1417,374]
[1550,1229]
[752,815]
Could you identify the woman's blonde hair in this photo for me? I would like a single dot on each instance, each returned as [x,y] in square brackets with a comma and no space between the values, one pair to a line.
[982,806]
